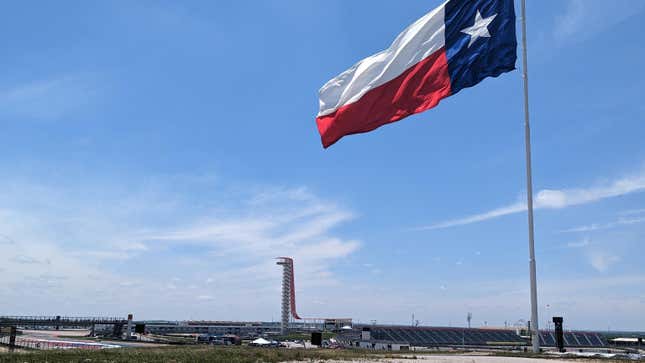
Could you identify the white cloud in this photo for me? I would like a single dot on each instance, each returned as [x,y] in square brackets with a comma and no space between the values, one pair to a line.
[148,242]
[602,261]
[171,286]
[583,243]
[499,212]
[48,99]
[299,231]
[598,226]
[24,260]
[555,199]
[583,18]
[6,240]
[599,258]
[632,212]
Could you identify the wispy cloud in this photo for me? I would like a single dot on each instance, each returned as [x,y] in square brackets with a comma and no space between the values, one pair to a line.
[632,212]
[580,244]
[555,199]
[24,260]
[171,245]
[598,256]
[498,212]
[48,99]
[600,226]
[583,18]
[297,226]
[602,261]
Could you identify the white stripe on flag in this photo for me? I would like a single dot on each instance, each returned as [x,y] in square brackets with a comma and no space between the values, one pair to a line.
[414,44]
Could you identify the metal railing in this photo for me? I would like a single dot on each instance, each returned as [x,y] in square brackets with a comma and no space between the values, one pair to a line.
[59,320]
[42,344]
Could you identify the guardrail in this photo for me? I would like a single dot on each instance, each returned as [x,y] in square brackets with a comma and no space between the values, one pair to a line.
[59,320]
[43,344]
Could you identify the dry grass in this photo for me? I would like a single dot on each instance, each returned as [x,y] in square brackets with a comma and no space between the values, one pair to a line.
[212,354]
[192,354]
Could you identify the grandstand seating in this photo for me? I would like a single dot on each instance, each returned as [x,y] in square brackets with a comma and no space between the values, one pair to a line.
[433,336]
[427,336]
[574,339]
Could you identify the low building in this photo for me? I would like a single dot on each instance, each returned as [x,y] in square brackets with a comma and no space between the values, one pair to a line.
[242,329]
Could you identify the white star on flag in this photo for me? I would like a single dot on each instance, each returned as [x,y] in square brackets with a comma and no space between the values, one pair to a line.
[480,28]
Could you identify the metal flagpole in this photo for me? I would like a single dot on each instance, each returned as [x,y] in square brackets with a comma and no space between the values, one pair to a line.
[535,339]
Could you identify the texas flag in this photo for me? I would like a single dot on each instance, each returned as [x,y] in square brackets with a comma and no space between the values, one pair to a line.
[454,46]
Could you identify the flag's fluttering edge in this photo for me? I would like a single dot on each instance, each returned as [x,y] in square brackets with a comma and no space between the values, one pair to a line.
[453,47]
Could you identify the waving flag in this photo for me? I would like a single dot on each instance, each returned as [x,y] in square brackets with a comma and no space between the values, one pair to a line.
[454,46]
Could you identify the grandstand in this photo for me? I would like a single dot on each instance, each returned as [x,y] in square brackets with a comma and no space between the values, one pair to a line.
[458,337]
[574,339]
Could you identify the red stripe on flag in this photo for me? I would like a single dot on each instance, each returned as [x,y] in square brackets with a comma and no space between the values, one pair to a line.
[419,88]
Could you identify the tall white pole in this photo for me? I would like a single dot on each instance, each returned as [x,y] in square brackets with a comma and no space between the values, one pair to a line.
[529,190]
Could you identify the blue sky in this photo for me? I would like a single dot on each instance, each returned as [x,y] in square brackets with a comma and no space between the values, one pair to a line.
[157,156]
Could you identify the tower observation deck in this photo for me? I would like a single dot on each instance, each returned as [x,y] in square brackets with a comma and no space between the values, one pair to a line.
[288,305]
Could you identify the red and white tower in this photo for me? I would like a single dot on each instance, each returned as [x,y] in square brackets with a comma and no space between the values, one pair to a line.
[288,293]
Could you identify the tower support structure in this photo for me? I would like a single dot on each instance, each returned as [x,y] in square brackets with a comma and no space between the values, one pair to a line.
[288,303]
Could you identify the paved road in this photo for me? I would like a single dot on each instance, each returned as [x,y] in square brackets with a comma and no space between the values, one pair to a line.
[465,359]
